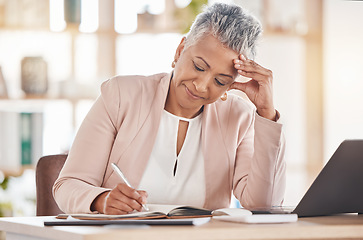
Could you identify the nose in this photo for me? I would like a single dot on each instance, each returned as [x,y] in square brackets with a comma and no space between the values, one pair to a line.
[201,84]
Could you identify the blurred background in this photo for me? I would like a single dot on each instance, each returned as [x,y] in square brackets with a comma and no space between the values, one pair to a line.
[54,54]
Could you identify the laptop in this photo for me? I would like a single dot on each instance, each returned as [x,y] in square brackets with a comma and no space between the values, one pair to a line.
[337,189]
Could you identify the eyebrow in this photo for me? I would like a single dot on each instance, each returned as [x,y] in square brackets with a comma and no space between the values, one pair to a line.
[222,74]
[204,61]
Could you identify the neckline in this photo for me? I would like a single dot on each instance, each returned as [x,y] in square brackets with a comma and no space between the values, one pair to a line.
[183,118]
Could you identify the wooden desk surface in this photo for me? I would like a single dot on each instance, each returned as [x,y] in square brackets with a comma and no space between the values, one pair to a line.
[332,227]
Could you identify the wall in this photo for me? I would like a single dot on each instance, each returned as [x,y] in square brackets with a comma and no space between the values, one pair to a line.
[343,70]
[284,55]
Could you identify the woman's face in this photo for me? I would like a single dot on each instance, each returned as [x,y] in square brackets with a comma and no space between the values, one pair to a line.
[202,74]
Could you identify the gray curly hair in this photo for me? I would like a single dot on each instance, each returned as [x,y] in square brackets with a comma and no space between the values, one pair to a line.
[230,24]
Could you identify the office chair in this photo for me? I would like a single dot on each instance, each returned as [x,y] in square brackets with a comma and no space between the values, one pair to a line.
[46,172]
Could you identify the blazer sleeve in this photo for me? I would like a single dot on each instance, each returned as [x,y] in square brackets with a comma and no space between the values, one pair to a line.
[260,168]
[82,175]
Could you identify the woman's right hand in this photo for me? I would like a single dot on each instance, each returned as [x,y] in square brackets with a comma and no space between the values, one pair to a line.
[120,200]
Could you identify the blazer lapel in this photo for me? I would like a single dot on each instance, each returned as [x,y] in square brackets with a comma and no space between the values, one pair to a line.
[216,159]
[133,154]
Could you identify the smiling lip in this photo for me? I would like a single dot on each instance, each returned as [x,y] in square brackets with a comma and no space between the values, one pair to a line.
[196,97]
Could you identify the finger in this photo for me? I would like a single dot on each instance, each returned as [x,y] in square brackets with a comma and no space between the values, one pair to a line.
[251,66]
[143,195]
[253,69]
[255,76]
[238,86]
[242,57]
[135,199]
[118,200]
[259,74]
[129,204]
[116,209]
[125,198]
[266,73]
[110,210]
[128,191]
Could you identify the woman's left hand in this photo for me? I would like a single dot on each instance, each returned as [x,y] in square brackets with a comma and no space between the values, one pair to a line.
[259,88]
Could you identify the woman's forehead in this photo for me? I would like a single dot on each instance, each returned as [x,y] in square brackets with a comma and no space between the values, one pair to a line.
[212,45]
[214,52]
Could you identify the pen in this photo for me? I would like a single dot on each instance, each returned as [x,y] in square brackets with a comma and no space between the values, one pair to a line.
[118,171]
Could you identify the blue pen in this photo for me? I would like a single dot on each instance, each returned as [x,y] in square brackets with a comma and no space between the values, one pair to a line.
[118,171]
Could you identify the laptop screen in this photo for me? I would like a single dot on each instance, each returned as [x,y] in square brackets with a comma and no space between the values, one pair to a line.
[339,186]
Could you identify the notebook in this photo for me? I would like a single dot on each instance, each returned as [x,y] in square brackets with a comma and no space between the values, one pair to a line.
[161,211]
[158,215]
[338,187]
[171,215]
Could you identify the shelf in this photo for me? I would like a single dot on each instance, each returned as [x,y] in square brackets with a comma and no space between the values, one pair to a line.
[16,172]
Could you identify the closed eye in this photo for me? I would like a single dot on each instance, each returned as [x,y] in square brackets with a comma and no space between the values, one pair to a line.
[219,83]
[198,68]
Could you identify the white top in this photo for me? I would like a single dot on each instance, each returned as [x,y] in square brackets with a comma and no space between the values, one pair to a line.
[187,187]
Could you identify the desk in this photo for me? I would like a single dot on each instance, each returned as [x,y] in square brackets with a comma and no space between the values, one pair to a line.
[332,227]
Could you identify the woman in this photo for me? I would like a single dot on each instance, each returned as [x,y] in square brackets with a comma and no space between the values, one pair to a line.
[178,136]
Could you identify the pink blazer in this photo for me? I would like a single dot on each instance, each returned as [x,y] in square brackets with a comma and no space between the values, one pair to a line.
[243,152]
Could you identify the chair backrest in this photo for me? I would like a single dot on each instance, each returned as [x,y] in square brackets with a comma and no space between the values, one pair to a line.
[47,171]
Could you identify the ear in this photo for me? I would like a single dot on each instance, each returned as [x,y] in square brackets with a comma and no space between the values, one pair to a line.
[179,49]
